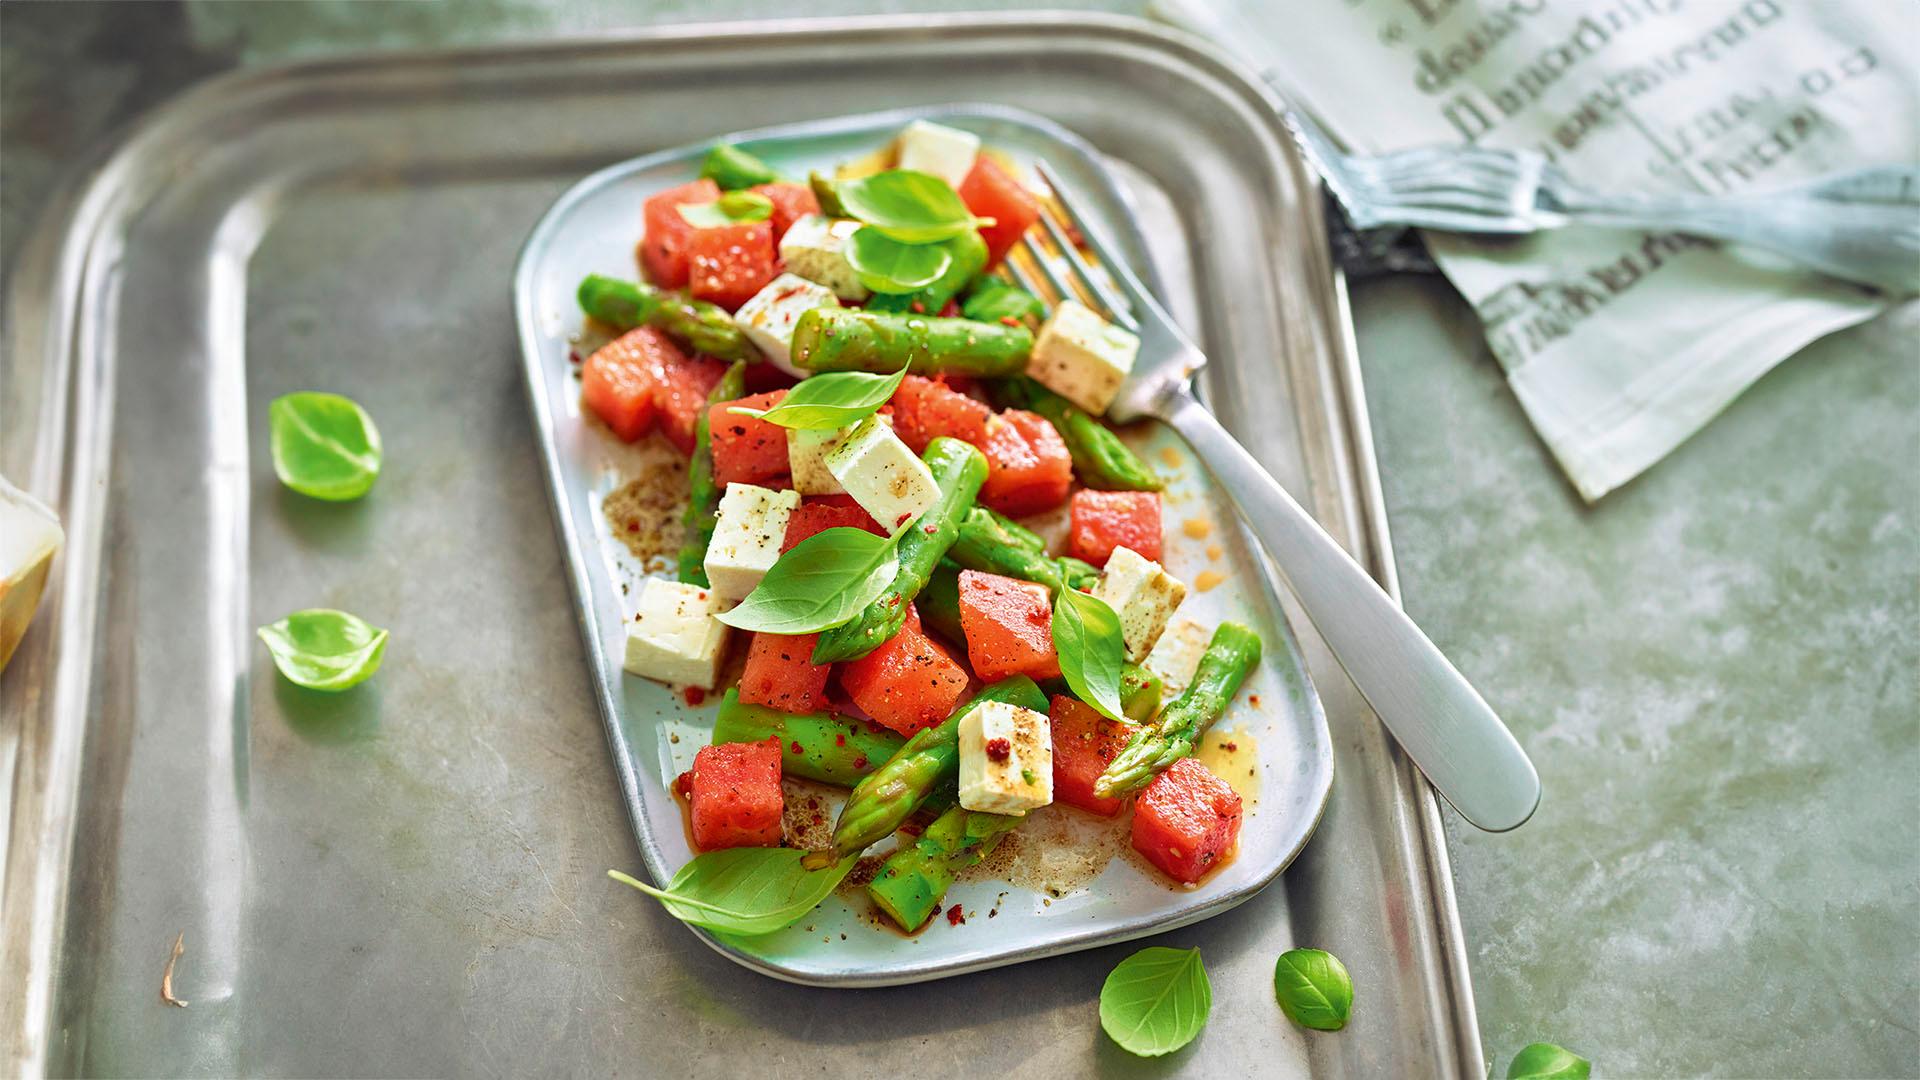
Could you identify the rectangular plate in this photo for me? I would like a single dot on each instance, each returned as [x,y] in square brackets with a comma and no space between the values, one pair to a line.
[592,229]
[409,879]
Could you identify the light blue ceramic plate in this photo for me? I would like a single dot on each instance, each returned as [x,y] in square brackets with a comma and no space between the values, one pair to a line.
[1105,893]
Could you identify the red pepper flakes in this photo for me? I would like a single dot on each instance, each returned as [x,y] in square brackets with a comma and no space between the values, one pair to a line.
[955,916]
[998,749]
[796,747]
[902,519]
[1253,700]
[573,356]
[929,528]
[840,739]
[633,526]
[1230,747]
[695,696]
[918,308]
[860,762]
[1008,320]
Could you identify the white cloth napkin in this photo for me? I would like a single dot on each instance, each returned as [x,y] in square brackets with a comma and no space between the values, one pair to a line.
[1619,344]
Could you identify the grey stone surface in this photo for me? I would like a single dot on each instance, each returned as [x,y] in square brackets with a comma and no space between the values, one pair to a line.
[1715,668]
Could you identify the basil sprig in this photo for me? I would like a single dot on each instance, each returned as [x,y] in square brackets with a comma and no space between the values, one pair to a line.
[748,891]
[1156,1001]
[323,649]
[826,579]
[911,207]
[733,208]
[1087,638]
[1313,988]
[830,401]
[886,265]
[324,445]
[991,299]
[1545,1061]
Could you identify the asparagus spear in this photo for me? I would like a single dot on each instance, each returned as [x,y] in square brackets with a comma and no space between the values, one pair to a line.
[733,168]
[849,339]
[959,469]
[703,495]
[1015,531]
[912,882]
[1099,457]
[984,542]
[969,254]
[702,327]
[1229,658]
[939,602]
[818,746]
[890,795]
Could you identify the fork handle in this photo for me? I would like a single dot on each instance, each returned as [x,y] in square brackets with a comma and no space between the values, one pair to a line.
[1438,718]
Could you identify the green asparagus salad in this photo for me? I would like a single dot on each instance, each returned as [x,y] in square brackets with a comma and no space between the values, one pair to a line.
[905,514]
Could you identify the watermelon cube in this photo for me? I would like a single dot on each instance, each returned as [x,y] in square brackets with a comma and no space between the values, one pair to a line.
[663,250]
[1028,467]
[736,797]
[791,202]
[1186,821]
[781,674]
[727,264]
[990,192]
[1008,624]
[685,382]
[818,513]
[746,450]
[924,409]
[1084,744]
[906,684]
[620,381]
[1104,520]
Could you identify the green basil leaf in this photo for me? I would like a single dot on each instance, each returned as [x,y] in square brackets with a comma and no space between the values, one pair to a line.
[1156,1001]
[1545,1061]
[323,445]
[745,890]
[322,649]
[824,581]
[993,299]
[1086,635]
[911,207]
[733,168]
[830,401]
[733,208]
[1313,989]
[886,265]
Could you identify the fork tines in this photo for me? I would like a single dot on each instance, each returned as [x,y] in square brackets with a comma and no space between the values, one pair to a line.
[1057,258]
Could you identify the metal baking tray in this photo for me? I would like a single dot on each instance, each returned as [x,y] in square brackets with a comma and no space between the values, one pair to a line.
[408,878]
[1277,726]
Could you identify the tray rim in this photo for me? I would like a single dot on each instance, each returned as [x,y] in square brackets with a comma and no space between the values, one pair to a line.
[532,342]
[50,279]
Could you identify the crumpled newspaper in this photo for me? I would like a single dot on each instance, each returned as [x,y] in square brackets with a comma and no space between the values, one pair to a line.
[1619,344]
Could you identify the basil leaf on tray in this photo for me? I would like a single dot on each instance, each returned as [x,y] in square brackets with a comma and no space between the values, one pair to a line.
[830,401]
[733,208]
[1156,1001]
[911,207]
[1545,1061]
[747,891]
[324,445]
[322,649]
[824,581]
[1313,988]
[1086,635]
[886,265]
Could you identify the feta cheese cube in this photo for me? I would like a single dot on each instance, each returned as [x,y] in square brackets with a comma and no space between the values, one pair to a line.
[1177,655]
[883,475]
[815,247]
[1081,356]
[1143,594]
[1006,759]
[674,637]
[747,534]
[807,457]
[945,152]
[768,317]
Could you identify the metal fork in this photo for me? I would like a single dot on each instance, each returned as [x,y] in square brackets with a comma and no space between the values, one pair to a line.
[1439,719]
[1861,226]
